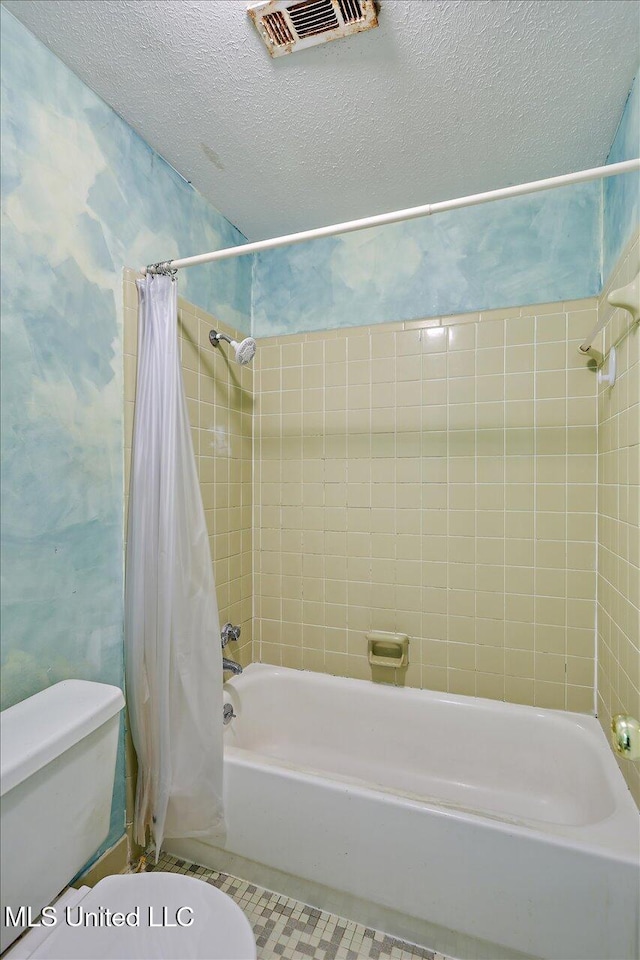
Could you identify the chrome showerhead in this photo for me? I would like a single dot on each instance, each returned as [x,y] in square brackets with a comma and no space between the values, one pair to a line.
[245,350]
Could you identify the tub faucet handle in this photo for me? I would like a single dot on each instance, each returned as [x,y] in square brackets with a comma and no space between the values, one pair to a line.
[229,632]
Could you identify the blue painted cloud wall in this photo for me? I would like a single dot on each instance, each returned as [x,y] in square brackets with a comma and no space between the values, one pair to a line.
[83,196]
[539,248]
[621,195]
[546,247]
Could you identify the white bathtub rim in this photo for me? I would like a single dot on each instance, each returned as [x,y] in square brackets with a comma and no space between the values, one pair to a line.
[613,836]
[605,846]
[488,884]
[586,722]
[588,725]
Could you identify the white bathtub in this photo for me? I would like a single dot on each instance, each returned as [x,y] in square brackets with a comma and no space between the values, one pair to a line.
[473,827]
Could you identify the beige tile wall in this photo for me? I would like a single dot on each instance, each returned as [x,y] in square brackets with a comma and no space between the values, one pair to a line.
[220,399]
[619,517]
[435,478]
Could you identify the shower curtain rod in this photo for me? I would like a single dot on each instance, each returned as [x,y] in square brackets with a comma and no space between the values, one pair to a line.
[411,213]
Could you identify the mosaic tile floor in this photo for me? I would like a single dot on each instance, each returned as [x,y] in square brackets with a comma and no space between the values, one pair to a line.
[294,931]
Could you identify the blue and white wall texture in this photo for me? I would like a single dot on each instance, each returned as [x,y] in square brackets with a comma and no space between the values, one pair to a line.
[83,196]
[621,195]
[531,249]
[546,247]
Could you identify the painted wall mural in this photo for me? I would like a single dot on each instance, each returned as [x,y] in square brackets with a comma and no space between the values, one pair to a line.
[544,247]
[621,195]
[83,196]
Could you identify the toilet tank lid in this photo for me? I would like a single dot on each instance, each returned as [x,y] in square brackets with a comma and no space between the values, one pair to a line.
[37,730]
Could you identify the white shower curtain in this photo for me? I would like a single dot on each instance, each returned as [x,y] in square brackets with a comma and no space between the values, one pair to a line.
[172,629]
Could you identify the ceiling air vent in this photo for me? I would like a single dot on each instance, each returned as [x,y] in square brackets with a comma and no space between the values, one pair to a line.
[288,25]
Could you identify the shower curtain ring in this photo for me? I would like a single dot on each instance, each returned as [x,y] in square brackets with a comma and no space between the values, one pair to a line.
[163,268]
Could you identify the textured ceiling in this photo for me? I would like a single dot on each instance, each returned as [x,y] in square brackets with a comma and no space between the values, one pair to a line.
[445,98]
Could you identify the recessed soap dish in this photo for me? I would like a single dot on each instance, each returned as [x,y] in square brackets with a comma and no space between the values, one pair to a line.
[388,649]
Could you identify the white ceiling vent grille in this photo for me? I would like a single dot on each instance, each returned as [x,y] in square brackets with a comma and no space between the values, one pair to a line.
[288,25]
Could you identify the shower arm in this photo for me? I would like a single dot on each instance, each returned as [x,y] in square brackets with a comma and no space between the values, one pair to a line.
[220,336]
[244,350]
[411,213]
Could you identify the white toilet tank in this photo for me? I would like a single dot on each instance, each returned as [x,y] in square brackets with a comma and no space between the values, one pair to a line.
[57,767]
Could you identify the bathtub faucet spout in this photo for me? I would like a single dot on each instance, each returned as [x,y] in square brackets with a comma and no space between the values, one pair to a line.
[231,666]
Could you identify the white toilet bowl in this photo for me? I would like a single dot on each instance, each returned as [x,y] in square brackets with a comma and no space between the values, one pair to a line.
[163,916]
